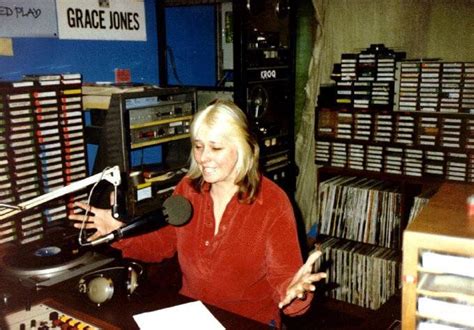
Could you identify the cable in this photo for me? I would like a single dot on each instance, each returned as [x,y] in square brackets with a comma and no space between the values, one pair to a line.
[86,215]
[173,64]
[12,207]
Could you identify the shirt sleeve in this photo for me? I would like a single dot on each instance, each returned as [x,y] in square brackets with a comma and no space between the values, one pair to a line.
[284,256]
[151,247]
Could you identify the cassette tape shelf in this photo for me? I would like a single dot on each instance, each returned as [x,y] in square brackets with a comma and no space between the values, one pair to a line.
[41,149]
[388,134]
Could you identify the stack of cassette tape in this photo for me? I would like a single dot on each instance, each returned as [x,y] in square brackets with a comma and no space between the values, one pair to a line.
[367,78]
[41,149]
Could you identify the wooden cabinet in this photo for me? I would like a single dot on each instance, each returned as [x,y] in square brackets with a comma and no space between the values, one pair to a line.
[438,262]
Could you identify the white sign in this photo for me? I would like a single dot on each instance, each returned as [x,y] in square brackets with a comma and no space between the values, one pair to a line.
[101,19]
[27,18]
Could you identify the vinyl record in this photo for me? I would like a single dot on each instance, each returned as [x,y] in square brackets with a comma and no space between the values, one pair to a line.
[42,256]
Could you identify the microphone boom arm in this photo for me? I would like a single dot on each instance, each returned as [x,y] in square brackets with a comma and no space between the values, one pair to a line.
[111,175]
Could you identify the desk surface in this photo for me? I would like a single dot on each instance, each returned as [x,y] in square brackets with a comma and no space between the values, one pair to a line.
[159,289]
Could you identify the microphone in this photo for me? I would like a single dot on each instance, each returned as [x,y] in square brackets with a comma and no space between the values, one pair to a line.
[176,211]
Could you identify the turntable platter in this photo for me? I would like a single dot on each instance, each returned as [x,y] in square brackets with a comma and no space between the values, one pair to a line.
[41,262]
[46,263]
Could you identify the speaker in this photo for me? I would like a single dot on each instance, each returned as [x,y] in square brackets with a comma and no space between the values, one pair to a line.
[101,285]
[264,67]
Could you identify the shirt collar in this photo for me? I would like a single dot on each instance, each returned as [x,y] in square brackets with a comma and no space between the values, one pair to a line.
[206,187]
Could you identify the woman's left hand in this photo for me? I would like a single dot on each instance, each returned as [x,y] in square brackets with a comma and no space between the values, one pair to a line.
[303,280]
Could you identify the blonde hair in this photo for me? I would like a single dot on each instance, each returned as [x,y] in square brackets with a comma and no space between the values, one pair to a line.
[229,118]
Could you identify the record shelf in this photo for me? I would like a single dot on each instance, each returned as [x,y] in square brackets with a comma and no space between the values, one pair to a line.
[387,134]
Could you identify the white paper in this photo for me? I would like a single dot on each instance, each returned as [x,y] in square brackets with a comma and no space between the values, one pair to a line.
[193,315]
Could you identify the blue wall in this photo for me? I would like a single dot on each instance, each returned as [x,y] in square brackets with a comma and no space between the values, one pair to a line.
[96,60]
[191,37]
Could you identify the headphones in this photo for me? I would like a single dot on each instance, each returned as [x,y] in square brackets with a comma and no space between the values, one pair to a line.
[100,285]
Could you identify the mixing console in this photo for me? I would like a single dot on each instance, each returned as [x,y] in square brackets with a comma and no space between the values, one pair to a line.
[43,317]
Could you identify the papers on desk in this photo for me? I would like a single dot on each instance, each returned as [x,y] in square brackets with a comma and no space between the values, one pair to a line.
[193,315]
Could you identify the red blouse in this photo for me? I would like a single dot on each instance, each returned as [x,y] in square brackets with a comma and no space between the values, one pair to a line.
[246,267]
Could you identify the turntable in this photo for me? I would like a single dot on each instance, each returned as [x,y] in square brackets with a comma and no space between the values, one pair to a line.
[58,257]
[43,264]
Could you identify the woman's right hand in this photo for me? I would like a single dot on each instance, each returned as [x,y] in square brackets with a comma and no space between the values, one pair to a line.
[99,219]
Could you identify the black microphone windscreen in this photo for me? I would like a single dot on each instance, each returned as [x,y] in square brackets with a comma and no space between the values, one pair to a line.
[178,209]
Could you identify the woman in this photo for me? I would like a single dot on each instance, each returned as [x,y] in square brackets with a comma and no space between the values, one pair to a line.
[240,250]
